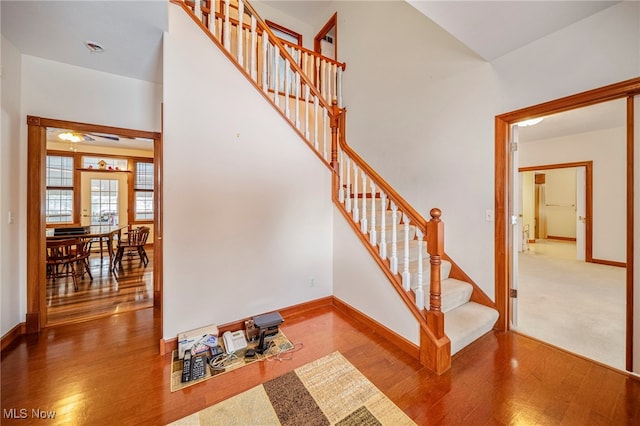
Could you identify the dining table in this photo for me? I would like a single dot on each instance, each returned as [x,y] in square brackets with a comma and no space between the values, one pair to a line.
[105,233]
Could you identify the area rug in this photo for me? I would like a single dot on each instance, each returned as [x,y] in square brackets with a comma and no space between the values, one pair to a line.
[280,345]
[328,391]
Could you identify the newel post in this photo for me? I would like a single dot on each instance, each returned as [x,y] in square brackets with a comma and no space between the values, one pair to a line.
[435,248]
[336,117]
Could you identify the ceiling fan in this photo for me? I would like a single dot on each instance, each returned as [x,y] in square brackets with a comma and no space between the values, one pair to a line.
[75,137]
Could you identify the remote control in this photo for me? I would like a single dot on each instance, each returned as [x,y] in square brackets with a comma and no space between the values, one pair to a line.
[198,367]
[186,366]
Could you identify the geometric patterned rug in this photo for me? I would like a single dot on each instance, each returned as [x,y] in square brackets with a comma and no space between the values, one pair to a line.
[328,391]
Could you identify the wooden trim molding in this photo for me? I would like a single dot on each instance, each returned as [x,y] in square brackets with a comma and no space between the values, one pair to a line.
[166,346]
[588,165]
[631,170]
[560,238]
[624,89]
[609,262]
[12,335]
[36,317]
[402,343]
[331,23]
[284,30]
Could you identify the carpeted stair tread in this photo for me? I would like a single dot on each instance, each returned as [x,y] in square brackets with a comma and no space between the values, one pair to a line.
[445,268]
[454,293]
[467,323]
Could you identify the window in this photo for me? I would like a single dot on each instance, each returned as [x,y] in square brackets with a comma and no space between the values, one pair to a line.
[60,191]
[143,191]
[104,202]
[113,163]
[293,38]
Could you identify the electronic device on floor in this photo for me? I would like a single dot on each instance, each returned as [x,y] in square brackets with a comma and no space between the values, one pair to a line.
[267,325]
[186,366]
[234,341]
[198,367]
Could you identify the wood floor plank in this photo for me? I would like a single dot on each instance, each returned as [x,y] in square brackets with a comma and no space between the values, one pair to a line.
[108,371]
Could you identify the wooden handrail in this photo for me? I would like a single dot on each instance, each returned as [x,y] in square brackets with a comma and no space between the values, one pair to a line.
[207,10]
[416,218]
[342,65]
[276,42]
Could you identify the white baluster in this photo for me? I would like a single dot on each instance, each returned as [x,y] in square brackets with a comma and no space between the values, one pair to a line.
[254,41]
[315,122]
[348,172]
[298,101]
[276,75]
[265,61]
[212,18]
[240,33]
[340,177]
[287,111]
[324,133]
[420,288]
[306,112]
[394,236]
[383,231]
[227,27]
[363,222]
[339,89]
[317,72]
[334,76]
[372,227]
[323,80]
[406,275]
[197,10]
[355,211]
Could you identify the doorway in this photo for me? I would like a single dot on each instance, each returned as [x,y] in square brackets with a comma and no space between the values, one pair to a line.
[504,226]
[326,41]
[36,197]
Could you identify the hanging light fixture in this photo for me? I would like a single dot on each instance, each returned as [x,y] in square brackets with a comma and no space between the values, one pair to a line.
[530,122]
[70,137]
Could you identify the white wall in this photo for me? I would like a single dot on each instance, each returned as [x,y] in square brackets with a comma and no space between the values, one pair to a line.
[12,261]
[248,215]
[364,287]
[306,29]
[421,106]
[607,150]
[560,202]
[56,90]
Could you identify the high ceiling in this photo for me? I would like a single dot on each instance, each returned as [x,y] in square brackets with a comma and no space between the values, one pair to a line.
[131,31]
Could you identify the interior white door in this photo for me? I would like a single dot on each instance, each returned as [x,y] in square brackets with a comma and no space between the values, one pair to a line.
[104,199]
[581,212]
[516,228]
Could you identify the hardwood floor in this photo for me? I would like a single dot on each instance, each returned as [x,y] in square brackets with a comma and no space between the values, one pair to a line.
[108,371]
[130,288]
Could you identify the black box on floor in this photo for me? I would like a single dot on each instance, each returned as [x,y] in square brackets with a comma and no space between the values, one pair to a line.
[267,325]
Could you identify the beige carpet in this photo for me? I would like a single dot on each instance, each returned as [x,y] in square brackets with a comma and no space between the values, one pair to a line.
[578,306]
[328,391]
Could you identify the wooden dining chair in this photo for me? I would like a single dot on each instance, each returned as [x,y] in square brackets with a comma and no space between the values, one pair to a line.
[133,244]
[68,257]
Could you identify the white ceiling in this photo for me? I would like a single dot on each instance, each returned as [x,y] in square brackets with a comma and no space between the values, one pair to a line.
[131,30]
[494,28]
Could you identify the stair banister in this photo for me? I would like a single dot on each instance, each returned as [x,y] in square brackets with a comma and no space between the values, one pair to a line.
[434,345]
[435,248]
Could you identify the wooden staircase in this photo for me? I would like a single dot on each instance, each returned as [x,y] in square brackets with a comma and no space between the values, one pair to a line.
[306,89]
